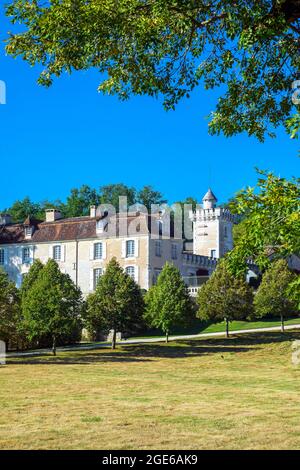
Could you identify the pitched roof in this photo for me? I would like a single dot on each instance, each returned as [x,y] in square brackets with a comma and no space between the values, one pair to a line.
[31,221]
[209,196]
[75,228]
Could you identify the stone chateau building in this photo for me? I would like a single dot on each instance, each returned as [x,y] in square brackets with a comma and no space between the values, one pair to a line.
[82,246]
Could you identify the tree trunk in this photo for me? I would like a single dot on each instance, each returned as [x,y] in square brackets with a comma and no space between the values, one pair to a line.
[114,339]
[167,336]
[227,327]
[282,323]
[54,345]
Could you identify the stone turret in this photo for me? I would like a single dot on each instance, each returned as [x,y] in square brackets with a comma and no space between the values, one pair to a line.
[209,200]
[212,228]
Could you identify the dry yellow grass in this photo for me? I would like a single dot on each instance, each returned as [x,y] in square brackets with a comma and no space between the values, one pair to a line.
[241,393]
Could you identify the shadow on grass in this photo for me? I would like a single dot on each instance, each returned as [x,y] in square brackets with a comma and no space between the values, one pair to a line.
[137,353]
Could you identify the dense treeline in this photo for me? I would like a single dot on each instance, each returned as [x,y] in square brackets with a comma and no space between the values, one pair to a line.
[79,200]
[49,309]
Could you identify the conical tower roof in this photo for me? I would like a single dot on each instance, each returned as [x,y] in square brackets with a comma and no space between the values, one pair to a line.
[209,196]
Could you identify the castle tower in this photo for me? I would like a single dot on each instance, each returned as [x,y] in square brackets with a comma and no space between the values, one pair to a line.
[212,228]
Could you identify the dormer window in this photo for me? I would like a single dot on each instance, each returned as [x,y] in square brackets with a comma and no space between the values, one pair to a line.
[101,226]
[28,232]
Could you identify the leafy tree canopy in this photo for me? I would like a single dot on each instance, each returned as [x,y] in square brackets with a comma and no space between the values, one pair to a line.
[53,304]
[110,194]
[79,201]
[23,208]
[272,222]
[167,47]
[148,196]
[31,277]
[117,304]
[224,296]
[272,297]
[10,316]
[168,303]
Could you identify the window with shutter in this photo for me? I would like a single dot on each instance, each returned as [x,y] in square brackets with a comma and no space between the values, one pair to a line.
[98,251]
[97,275]
[57,253]
[130,248]
[130,271]
[26,255]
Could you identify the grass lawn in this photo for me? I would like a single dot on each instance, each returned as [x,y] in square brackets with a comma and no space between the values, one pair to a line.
[241,393]
[199,327]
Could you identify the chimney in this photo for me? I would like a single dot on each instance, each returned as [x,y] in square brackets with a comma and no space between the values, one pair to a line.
[5,219]
[93,211]
[52,215]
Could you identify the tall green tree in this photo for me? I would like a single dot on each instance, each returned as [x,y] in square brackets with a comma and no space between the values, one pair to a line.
[10,312]
[21,209]
[111,193]
[52,306]
[272,298]
[148,196]
[271,224]
[249,50]
[117,303]
[31,277]
[168,303]
[79,201]
[293,291]
[225,297]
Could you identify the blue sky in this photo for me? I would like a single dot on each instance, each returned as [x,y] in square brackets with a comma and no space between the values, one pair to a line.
[58,138]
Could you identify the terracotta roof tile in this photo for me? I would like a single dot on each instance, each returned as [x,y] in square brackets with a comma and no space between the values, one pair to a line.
[76,228]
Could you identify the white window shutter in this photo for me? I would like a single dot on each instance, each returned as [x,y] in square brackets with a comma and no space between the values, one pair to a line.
[5,256]
[91,280]
[123,248]
[63,253]
[103,250]
[136,274]
[92,251]
[20,255]
[51,251]
[136,248]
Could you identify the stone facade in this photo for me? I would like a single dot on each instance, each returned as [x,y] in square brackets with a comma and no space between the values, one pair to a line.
[212,227]
[83,246]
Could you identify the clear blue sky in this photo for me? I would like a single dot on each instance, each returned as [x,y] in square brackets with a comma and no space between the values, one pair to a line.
[58,138]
